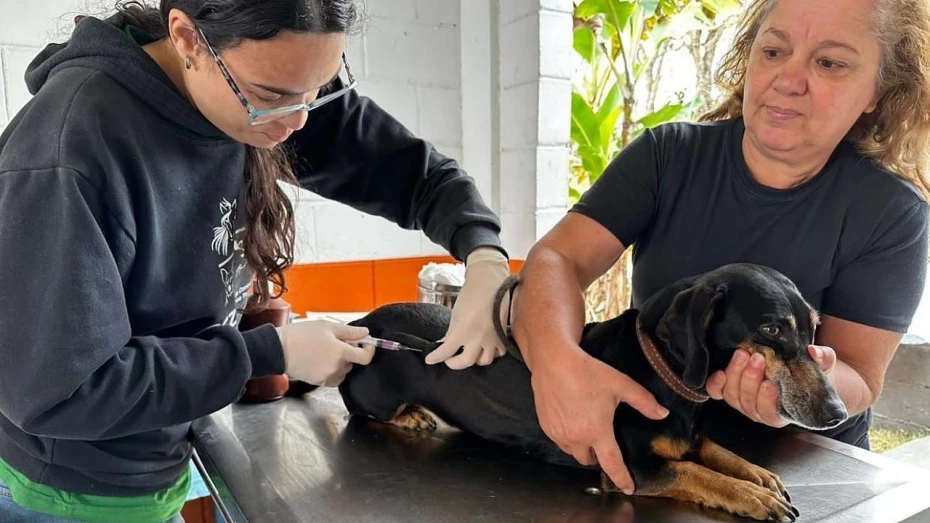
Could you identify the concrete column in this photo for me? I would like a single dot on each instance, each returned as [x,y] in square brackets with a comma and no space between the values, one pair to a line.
[535,100]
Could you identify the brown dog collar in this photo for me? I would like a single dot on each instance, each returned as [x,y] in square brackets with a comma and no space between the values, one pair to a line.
[668,376]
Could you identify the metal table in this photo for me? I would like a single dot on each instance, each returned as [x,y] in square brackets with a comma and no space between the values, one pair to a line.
[306,460]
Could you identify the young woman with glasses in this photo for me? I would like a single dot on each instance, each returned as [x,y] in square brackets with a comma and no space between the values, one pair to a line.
[140,207]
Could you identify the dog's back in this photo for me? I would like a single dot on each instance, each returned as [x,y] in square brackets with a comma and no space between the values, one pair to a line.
[493,402]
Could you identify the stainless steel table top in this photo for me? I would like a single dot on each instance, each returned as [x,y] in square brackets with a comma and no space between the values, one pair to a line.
[306,460]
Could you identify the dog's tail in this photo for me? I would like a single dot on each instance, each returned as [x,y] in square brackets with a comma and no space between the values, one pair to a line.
[506,292]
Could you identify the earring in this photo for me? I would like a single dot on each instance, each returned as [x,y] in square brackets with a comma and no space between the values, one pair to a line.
[187,63]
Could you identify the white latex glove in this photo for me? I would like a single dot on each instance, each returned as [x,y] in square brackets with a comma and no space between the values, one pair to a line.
[317,352]
[471,326]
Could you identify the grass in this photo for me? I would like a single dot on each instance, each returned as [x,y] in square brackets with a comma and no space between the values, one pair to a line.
[886,439]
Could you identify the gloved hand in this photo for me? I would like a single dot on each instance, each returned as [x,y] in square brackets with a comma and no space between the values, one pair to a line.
[317,352]
[472,326]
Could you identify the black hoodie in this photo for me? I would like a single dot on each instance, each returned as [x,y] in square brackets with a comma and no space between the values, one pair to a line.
[122,269]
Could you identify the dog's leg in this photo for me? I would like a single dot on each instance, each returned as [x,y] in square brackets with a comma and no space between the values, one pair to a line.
[715,457]
[694,483]
[413,417]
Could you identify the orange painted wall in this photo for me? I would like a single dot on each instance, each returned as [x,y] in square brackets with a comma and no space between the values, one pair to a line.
[357,286]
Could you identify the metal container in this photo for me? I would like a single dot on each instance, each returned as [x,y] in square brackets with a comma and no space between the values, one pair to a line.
[439,293]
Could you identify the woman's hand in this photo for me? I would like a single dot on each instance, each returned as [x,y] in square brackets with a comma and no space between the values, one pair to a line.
[576,398]
[744,387]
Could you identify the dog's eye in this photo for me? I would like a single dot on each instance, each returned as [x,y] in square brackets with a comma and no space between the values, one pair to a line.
[771,331]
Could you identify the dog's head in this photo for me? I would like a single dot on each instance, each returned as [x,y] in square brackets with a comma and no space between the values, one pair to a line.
[703,320]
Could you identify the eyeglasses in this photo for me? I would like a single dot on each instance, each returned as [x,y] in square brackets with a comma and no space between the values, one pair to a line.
[263,116]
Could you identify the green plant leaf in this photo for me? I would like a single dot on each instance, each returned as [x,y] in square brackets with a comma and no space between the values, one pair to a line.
[592,161]
[589,8]
[585,44]
[585,125]
[619,13]
[608,125]
[667,7]
[611,101]
[661,116]
[692,106]
[721,7]
[691,18]
[574,194]
[608,33]
[648,7]
[598,169]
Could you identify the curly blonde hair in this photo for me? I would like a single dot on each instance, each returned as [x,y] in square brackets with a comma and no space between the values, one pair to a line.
[896,135]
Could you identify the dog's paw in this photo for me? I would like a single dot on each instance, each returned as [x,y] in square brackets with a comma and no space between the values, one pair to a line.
[760,503]
[764,478]
[413,418]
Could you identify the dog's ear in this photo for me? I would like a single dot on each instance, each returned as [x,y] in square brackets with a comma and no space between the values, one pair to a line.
[684,328]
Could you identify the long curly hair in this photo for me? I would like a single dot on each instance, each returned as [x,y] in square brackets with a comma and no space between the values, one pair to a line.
[896,135]
[270,229]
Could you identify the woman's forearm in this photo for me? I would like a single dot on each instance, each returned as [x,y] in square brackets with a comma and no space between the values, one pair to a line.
[852,388]
[548,306]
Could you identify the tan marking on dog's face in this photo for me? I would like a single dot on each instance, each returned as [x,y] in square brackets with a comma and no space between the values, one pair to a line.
[774,365]
[793,322]
[803,389]
[815,321]
[805,375]
[670,448]
[805,396]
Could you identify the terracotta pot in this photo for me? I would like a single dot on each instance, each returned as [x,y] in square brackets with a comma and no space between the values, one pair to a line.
[274,387]
[268,388]
[276,313]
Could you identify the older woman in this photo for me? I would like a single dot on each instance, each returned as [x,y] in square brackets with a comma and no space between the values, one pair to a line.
[814,166]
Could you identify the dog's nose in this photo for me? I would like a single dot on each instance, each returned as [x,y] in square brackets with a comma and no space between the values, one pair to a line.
[833,413]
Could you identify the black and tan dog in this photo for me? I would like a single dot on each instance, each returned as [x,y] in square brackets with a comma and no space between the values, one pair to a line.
[670,346]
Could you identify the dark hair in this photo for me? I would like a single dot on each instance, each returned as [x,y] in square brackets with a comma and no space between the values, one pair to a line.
[269,240]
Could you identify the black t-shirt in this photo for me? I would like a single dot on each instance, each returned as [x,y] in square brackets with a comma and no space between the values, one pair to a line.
[853,238]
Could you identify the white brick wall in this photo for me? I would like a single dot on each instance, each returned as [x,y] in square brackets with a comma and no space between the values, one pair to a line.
[486,81]
[4,118]
[15,60]
[25,27]
[480,132]
[535,99]
[408,61]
